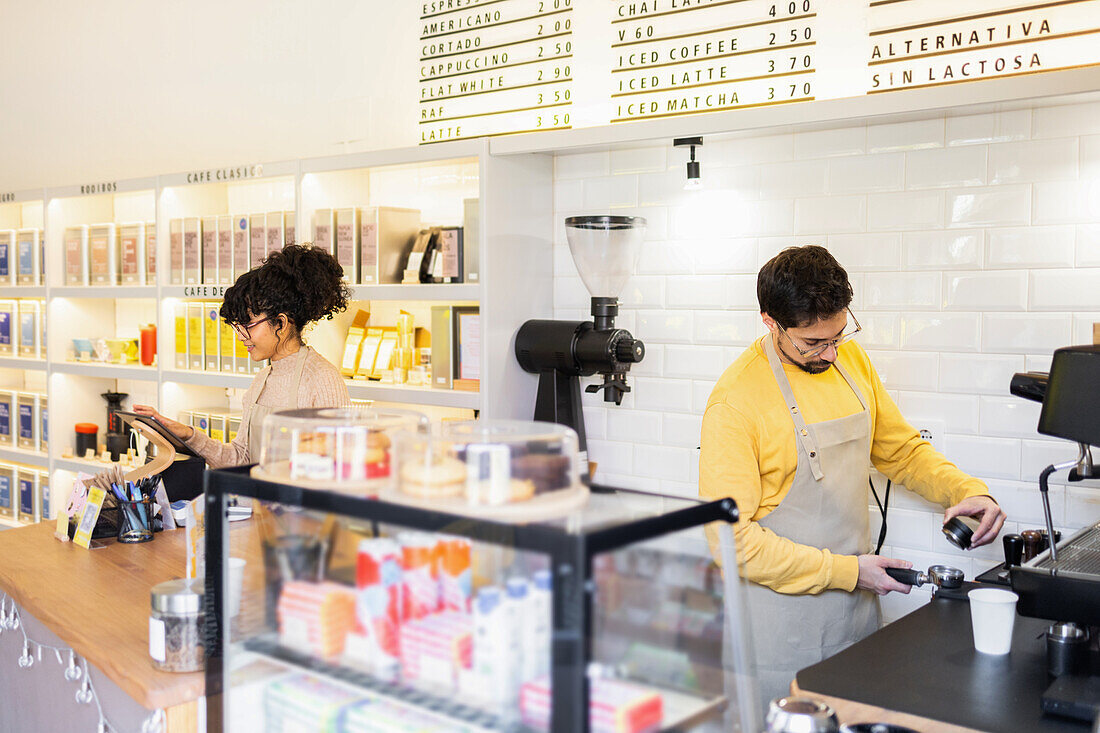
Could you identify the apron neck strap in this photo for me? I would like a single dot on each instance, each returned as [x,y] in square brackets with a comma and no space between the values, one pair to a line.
[801,429]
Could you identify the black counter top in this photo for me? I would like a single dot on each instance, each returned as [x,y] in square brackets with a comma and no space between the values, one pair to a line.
[925,664]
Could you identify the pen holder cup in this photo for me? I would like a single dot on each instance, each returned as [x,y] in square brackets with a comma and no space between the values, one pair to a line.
[135,521]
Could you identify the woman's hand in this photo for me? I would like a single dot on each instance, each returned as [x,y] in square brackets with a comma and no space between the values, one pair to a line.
[181,431]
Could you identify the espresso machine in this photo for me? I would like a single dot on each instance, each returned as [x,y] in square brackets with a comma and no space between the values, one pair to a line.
[605,250]
[1064,581]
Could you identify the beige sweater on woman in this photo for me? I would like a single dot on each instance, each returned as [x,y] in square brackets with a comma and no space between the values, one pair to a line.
[321,386]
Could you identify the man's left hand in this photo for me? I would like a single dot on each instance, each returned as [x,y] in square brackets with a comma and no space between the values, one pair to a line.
[991,515]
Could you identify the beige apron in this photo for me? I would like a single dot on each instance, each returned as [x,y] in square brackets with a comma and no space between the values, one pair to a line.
[825,508]
[289,402]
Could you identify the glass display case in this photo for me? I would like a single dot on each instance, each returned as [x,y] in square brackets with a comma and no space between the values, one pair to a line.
[369,615]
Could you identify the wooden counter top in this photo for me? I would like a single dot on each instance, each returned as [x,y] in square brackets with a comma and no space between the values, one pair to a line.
[97,602]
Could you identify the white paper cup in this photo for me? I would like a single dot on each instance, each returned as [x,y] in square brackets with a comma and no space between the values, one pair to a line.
[236,584]
[992,614]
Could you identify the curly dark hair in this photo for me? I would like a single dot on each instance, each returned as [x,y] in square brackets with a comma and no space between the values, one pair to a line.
[801,285]
[300,281]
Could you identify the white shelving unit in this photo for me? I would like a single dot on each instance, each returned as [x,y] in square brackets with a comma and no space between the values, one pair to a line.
[26,457]
[7,362]
[512,237]
[105,371]
[22,210]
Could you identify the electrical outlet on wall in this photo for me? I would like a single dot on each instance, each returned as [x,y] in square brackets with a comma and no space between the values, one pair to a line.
[931,429]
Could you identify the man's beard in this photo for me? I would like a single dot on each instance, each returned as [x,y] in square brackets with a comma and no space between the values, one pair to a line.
[815,367]
[818,366]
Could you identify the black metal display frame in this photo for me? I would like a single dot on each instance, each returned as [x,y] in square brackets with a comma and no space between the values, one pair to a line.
[571,556]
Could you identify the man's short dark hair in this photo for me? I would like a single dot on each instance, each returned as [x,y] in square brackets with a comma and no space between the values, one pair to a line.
[801,285]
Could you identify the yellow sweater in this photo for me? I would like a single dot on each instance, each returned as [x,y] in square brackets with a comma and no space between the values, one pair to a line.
[749,453]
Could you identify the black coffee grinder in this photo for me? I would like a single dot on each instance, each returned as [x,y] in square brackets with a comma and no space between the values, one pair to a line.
[605,250]
[118,432]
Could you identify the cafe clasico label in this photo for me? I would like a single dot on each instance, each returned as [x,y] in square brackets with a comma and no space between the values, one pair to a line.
[490,67]
[225,174]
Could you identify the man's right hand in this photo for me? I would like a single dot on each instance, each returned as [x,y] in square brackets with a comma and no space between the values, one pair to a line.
[873,577]
[181,431]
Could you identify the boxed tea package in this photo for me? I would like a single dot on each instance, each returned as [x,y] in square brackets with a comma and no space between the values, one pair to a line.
[131,246]
[209,249]
[76,255]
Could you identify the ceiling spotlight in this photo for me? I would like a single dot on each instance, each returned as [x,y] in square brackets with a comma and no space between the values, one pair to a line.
[693,180]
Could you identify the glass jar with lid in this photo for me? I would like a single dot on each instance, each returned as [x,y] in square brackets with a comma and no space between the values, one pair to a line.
[176,626]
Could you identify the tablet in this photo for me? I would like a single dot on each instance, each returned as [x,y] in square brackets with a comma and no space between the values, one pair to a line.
[168,435]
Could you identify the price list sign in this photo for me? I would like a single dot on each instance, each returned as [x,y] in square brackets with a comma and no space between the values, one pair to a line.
[489,67]
[678,57]
[925,44]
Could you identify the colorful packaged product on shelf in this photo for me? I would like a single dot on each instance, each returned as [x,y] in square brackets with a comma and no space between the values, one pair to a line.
[315,618]
[290,228]
[378,582]
[242,244]
[43,422]
[7,402]
[7,246]
[27,421]
[150,252]
[228,347]
[180,317]
[131,243]
[304,702]
[496,659]
[346,242]
[420,559]
[225,249]
[44,511]
[29,314]
[29,500]
[454,574]
[192,251]
[8,311]
[195,342]
[175,252]
[211,329]
[276,237]
[28,255]
[385,716]
[7,479]
[614,706]
[324,225]
[76,256]
[436,649]
[209,271]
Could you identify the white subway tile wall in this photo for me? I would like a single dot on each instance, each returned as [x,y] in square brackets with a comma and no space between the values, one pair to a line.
[973,245]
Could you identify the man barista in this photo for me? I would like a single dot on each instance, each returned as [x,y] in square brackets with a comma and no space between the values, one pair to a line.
[790,432]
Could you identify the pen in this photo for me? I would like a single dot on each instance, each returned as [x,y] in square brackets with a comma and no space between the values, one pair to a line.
[123,508]
[135,494]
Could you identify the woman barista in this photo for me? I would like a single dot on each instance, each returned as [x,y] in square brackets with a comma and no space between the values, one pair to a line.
[268,307]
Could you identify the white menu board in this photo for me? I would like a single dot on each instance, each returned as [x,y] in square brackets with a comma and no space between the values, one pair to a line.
[492,67]
[672,59]
[936,42]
